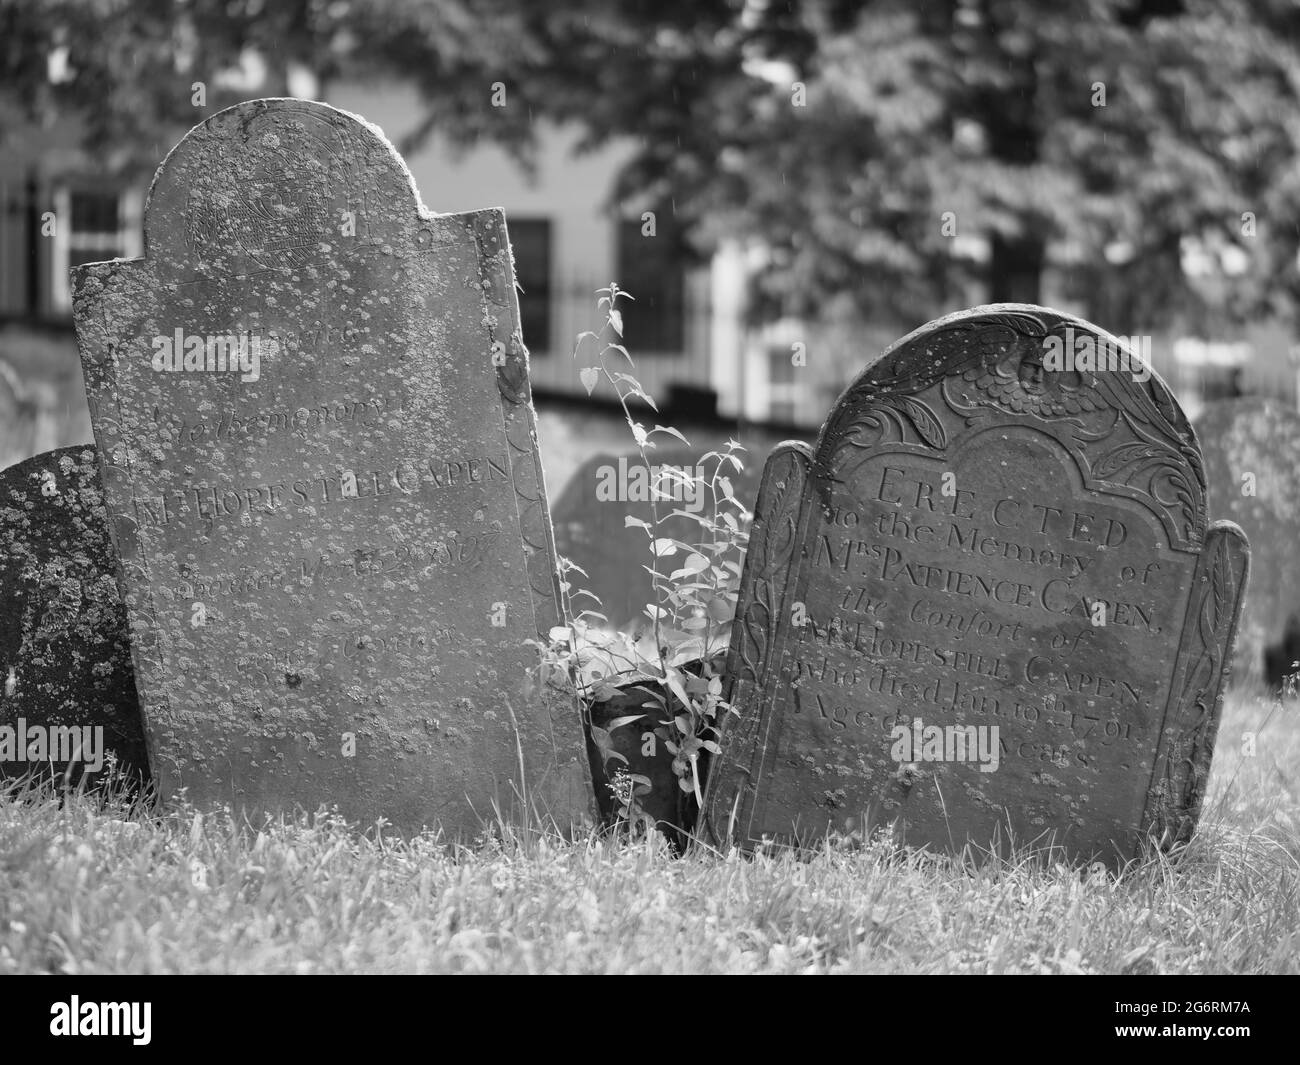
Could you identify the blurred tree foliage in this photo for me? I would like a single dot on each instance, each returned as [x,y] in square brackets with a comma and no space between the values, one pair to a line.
[835,135]
[127,70]
[989,109]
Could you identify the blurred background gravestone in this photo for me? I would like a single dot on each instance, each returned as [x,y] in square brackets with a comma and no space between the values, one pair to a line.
[591,528]
[1252,464]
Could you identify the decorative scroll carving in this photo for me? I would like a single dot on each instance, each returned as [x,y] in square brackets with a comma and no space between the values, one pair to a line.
[761,607]
[884,579]
[1130,437]
[510,359]
[1204,659]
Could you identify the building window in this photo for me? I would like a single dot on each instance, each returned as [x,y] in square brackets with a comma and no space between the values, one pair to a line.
[781,385]
[653,270]
[780,365]
[530,241]
[91,226]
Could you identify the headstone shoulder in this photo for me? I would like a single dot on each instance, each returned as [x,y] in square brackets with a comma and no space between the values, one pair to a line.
[1000,539]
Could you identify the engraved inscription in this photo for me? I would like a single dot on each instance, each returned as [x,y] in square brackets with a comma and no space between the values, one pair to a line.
[980,547]
[313,548]
[209,502]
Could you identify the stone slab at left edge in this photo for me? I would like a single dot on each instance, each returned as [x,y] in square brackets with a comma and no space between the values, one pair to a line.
[311,400]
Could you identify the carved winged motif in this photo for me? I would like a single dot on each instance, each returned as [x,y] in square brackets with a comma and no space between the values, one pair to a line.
[958,375]
[771,552]
[930,395]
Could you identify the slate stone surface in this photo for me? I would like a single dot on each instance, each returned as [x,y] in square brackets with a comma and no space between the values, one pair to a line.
[1252,464]
[323,477]
[65,660]
[937,563]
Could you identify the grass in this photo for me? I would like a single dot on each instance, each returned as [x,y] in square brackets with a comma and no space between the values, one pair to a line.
[93,887]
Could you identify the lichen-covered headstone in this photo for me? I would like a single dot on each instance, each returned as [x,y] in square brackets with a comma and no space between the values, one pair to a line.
[68,705]
[1252,463]
[321,463]
[986,608]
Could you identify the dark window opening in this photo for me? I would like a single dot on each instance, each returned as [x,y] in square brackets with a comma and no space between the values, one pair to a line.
[781,380]
[781,365]
[95,230]
[530,240]
[653,270]
[95,212]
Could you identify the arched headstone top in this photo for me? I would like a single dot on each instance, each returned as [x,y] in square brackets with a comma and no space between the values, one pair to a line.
[311,404]
[274,183]
[987,607]
[1023,365]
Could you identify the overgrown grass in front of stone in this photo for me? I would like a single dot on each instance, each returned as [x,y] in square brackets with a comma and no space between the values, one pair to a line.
[91,887]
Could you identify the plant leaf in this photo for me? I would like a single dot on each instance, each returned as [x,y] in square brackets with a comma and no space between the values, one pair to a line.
[671,431]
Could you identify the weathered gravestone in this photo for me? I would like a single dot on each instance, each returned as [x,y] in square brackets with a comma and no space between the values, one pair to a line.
[1252,463]
[68,703]
[312,400]
[978,542]
[591,529]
